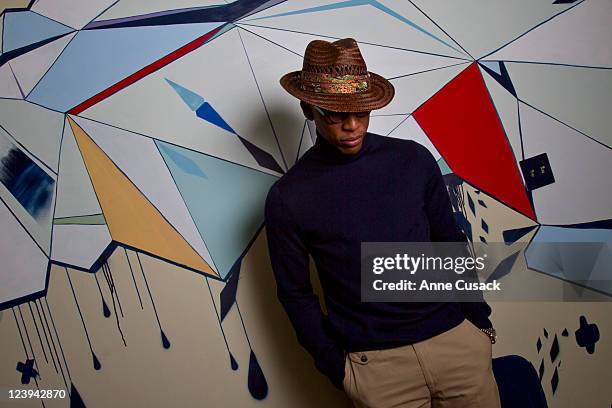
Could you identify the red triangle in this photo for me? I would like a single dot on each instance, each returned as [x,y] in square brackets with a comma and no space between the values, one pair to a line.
[462,123]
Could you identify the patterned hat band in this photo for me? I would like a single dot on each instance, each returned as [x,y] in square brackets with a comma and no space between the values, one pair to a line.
[330,84]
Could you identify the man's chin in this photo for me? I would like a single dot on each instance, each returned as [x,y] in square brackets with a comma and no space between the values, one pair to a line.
[351,149]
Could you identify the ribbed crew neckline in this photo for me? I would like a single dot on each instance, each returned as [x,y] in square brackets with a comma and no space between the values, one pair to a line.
[331,154]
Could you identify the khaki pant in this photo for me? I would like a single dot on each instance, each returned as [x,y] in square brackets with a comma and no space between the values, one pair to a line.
[450,370]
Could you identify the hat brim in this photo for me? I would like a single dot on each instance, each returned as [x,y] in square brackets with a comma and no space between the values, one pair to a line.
[379,93]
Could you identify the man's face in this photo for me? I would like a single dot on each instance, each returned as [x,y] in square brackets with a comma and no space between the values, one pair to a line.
[345,131]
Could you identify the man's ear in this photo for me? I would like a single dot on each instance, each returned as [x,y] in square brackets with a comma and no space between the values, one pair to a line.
[307,109]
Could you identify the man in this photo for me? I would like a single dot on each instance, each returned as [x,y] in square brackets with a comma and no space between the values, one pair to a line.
[351,187]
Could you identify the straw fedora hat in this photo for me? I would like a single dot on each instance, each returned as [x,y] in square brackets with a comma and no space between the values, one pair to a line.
[334,76]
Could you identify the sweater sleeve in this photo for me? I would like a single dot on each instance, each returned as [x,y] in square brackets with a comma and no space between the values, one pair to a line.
[289,259]
[443,228]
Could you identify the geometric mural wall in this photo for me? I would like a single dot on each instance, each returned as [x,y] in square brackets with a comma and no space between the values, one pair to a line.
[149,133]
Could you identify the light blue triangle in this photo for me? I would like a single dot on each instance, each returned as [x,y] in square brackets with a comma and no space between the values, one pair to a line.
[227,206]
[23,28]
[192,99]
[96,59]
[444,166]
[492,65]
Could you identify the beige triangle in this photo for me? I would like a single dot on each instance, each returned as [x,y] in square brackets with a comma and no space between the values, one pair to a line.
[131,218]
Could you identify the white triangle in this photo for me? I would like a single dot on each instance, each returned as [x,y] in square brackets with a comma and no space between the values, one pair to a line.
[483,26]
[74,13]
[8,84]
[269,63]
[506,106]
[579,97]
[383,125]
[581,168]
[140,160]
[404,25]
[30,67]
[410,130]
[75,193]
[24,266]
[79,245]
[580,36]
[385,61]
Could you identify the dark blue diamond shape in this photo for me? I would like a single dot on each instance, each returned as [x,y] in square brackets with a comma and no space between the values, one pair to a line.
[537,171]
[554,349]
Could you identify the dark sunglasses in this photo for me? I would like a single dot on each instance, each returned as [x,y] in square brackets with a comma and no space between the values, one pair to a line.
[332,117]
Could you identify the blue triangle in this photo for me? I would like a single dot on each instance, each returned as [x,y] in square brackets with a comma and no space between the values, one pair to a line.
[209,114]
[23,28]
[227,206]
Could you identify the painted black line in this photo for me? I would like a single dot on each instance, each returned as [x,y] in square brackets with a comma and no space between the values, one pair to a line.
[389,114]
[38,333]
[16,81]
[502,125]
[52,341]
[102,12]
[297,156]
[79,309]
[25,329]
[267,39]
[149,290]
[20,334]
[531,29]
[51,66]
[59,344]
[59,156]
[78,216]
[42,106]
[133,278]
[23,226]
[112,288]
[518,112]
[242,322]
[444,31]
[179,146]
[427,70]
[188,209]
[133,184]
[398,125]
[263,101]
[565,124]
[217,314]
[52,19]
[557,64]
[360,42]
[31,153]
[33,356]
[99,287]
[115,290]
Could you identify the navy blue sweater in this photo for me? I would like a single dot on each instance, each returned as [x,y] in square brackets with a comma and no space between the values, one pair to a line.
[326,205]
